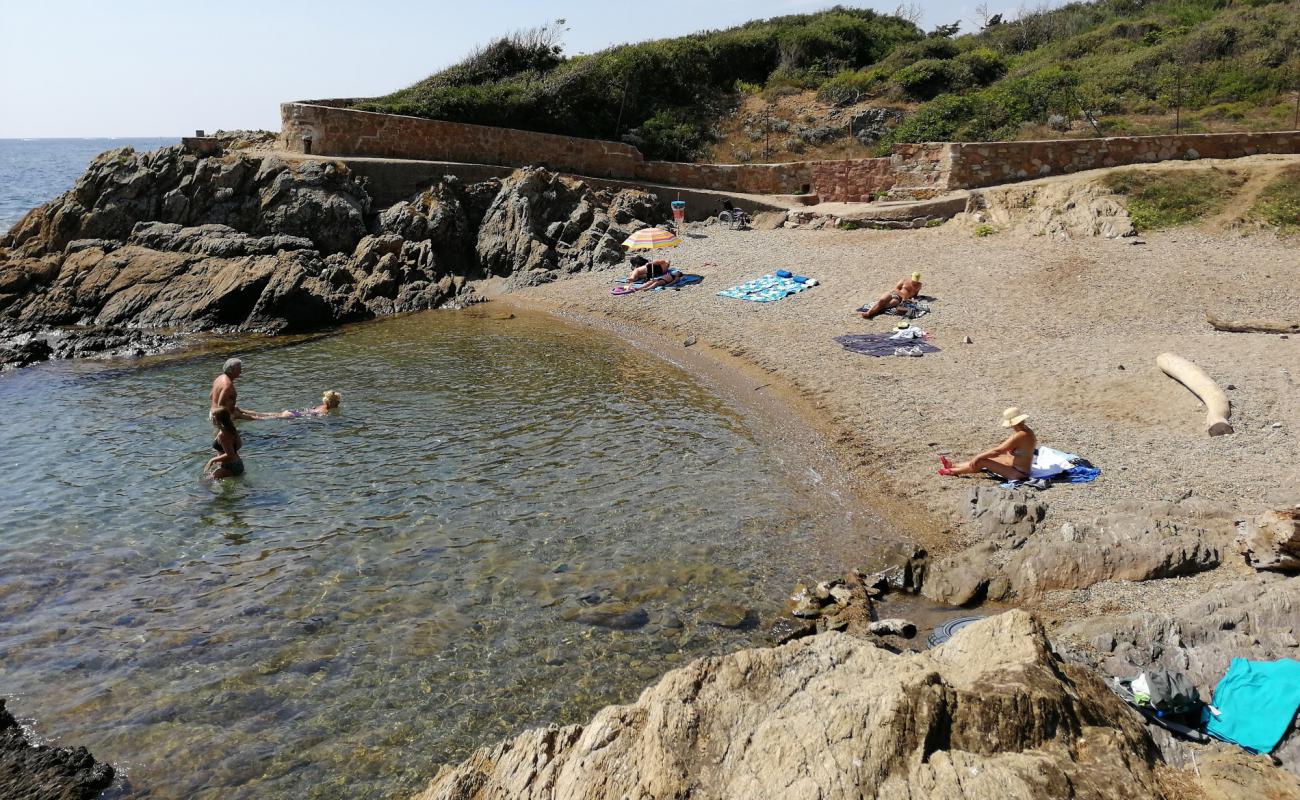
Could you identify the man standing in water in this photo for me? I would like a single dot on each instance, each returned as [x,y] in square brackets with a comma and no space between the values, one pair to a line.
[224,394]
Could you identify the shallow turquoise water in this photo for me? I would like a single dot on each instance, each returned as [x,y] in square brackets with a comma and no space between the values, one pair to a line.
[510,523]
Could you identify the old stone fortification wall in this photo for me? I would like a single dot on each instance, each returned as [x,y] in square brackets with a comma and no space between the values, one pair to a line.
[347,132]
[911,171]
[852,181]
[978,164]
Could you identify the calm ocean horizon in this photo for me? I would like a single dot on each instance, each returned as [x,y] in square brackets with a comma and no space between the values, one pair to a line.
[35,171]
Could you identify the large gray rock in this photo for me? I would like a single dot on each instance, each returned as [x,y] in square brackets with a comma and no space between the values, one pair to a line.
[541,225]
[992,713]
[252,242]
[39,772]
[1259,620]
[1021,557]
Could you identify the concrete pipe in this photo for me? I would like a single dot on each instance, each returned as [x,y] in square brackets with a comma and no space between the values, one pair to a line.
[1203,386]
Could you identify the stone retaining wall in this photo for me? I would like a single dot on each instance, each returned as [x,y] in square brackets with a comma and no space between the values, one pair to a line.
[337,131]
[741,178]
[978,164]
[912,171]
[852,181]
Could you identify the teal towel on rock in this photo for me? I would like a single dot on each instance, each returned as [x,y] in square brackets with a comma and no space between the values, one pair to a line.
[1257,701]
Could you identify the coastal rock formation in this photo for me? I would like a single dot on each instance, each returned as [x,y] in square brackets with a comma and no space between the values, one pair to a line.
[1259,620]
[170,240]
[1022,558]
[38,772]
[991,713]
[1061,208]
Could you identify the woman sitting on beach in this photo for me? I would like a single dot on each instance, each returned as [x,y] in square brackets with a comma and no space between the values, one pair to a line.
[328,402]
[226,462]
[653,273]
[1013,459]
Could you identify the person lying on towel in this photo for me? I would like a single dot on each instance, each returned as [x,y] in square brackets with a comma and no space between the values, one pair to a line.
[1013,459]
[651,273]
[906,289]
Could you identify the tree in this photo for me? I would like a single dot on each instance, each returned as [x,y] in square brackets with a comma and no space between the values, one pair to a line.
[946,31]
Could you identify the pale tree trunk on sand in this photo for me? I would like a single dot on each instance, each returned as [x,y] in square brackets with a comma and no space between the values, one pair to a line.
[1203,386]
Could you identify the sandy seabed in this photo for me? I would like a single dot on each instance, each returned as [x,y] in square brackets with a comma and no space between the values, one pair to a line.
[1069,330]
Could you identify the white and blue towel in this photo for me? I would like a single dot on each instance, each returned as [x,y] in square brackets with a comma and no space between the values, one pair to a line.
[766,289]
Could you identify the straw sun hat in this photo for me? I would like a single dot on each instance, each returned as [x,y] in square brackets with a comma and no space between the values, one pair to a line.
[1013,417]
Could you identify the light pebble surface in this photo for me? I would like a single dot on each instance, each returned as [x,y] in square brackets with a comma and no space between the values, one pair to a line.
[1052,323]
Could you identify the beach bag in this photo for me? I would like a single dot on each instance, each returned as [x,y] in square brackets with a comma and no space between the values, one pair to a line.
[1166,691]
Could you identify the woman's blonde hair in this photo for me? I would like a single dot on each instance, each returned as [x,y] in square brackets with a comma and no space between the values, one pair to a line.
[331,398]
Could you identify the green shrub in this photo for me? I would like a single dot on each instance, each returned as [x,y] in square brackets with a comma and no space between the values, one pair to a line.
[672,135]
[985,230]
[983,64]
[931,77]
[1164,199]
[848,86]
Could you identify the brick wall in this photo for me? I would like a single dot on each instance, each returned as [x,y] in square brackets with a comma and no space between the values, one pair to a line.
[347,132]
[852,181]
[984,164]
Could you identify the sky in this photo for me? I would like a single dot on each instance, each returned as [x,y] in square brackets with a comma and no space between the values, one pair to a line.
[91,68]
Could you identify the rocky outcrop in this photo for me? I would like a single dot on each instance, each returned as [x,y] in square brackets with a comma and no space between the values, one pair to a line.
[992,713]
[1259,620]
[1272,541]
[39,772]
[1020,557]
[1062,208]
[170,240]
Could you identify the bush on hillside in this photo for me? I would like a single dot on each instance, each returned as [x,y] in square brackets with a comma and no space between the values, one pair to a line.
[931,77]
[848,86]
[985,65]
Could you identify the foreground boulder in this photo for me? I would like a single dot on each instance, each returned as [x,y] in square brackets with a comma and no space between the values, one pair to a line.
[1021,557]
[992,713]
[172,241]
[37,772]
[1258,620]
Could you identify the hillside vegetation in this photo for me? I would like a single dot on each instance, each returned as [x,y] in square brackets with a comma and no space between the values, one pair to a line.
[1103,68]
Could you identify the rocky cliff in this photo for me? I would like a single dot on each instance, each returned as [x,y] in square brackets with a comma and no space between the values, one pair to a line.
[992,713]
[172,241]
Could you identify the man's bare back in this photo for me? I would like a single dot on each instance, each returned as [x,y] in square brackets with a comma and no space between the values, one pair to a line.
[223,393]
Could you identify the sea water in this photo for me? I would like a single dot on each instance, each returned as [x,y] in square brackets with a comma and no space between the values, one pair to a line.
[35,171]
[510,523]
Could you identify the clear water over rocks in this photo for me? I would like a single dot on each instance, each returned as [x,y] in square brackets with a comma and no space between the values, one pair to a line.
[511,523]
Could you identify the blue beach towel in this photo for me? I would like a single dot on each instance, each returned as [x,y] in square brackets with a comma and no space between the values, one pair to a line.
[766,289]
[1256,701]
[1058,465]
[686,280]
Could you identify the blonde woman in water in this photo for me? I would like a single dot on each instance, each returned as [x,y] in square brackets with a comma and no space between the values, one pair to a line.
[329,401]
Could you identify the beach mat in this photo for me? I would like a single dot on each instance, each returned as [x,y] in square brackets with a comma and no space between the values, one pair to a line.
[881,344]
[686,280]
[767,289]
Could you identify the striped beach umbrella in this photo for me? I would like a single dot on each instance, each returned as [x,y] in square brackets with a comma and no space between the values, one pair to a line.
[651,239]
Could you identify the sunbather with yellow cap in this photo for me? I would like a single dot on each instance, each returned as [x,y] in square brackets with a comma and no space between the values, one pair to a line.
[906,289]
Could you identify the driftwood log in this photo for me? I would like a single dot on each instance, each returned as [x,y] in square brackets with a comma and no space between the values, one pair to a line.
[1203,386]
[1251,325]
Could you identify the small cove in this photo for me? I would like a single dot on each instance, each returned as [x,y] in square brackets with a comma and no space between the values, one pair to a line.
[513,522]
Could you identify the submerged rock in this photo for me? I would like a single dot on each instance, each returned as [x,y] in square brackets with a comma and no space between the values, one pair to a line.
[992,713]
[38,771]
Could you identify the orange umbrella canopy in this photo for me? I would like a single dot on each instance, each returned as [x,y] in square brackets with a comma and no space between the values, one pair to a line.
[651,239]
